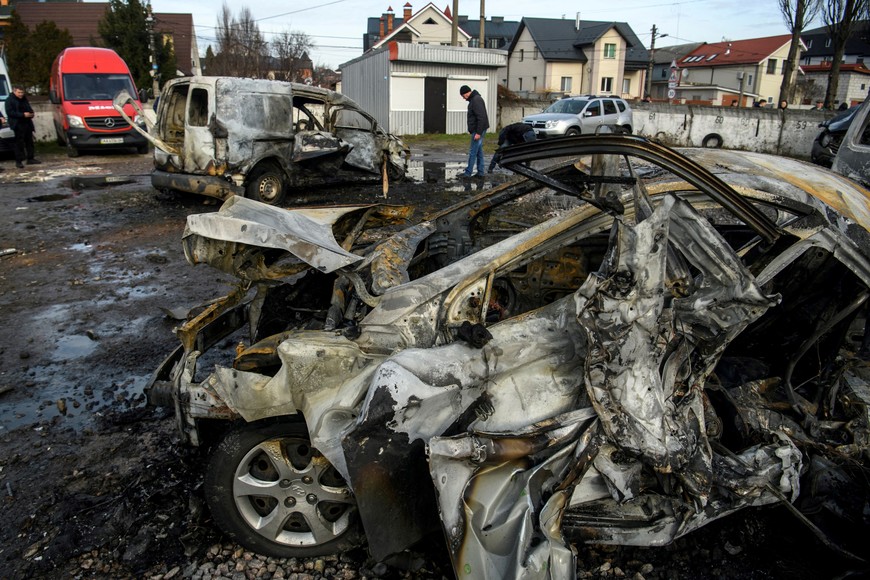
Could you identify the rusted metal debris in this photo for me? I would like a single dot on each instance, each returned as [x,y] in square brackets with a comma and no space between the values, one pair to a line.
[665,353]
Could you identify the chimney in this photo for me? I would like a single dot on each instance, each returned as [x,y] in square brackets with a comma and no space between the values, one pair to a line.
[407,14]
[390,20]
[577,22]
[381,32]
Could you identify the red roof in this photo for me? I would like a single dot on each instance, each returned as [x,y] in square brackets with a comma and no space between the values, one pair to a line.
[826,66]
[81,18]
[751,51]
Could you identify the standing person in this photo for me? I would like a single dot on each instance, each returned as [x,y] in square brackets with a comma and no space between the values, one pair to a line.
[20,115]
[511,135]
[478,123]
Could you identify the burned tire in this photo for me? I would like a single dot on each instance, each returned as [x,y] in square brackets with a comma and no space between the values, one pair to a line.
[266,184]
[272,492]
[712,141]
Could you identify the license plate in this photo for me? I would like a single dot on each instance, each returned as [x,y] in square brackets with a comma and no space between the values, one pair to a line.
[111,141]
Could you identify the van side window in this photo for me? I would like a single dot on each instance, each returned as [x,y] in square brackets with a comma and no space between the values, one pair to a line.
[197,111]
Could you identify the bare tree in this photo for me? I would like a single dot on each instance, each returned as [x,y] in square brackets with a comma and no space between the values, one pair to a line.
[291,55]
[241,50]
[796,14]
[840,16]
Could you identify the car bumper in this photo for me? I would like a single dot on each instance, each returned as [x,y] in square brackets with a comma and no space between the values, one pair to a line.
[84,139]
[210,185]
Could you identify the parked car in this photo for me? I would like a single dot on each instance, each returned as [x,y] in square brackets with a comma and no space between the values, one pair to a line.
[223,136]
[853,155]
[663,353]
[827,142]
[580,115]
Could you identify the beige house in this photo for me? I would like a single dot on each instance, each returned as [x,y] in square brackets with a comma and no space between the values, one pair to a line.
[737,70]
[429,25]
[573,57]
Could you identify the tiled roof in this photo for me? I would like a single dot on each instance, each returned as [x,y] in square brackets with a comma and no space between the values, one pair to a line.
[751,51]
[558,39]
[81,18]
[826,67]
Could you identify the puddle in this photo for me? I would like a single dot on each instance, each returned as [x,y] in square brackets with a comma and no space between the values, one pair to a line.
[74,346]
[52,197]
[433,171]
[81,404]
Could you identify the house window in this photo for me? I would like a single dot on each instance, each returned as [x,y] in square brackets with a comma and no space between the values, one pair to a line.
[626,86]
[521,83]
[493,42]
[566,84]
[771,66]
[474,43]
[534,83]
[828,43]
[535,55]
[522,54]
[664,73]
[606,84]
[809,44]
[609,50]
[862,86]
[749,81]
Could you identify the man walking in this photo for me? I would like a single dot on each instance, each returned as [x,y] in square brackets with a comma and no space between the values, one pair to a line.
[478,123]
[20,115]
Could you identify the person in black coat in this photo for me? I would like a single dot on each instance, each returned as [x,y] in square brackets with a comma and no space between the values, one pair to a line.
[478,123]
[511,135]
[20,115]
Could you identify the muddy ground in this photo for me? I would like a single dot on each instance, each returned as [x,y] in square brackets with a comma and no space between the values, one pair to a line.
[94,483]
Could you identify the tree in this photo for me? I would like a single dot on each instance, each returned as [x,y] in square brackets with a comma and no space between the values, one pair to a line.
[840,16]
[290,50]
[125,30]
[241,50]
[30,54]
[796,14]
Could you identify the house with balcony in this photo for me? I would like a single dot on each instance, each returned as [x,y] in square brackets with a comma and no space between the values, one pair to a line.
[663,58]
[550,56]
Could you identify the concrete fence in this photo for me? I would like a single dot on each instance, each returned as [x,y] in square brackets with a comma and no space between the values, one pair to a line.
[788,132]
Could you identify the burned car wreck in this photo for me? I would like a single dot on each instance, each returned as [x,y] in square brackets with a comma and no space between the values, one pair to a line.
[223,136]
[663,352]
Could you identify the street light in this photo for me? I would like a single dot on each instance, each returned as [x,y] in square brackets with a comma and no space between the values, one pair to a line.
[152,58]
[649,65]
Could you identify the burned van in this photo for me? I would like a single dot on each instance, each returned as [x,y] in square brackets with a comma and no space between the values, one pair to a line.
[224,136]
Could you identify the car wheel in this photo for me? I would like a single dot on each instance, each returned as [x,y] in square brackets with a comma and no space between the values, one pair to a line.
[627,129]
[272,492]
[572,131]
[266,184]
[712,141]
[70,150]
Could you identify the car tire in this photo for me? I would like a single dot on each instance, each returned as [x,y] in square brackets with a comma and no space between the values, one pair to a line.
[266,184]
[712,141]
[572,131]
[272,492]
[70,150]
[627,129]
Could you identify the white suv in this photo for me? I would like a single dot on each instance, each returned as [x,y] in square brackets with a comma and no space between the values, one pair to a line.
[580,115]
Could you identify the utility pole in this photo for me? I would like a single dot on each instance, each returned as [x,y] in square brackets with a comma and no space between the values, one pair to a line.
[454,26]
[649,64]
[149,26]
[482,24]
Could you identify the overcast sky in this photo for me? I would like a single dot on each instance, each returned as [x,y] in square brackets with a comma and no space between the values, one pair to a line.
[337,26]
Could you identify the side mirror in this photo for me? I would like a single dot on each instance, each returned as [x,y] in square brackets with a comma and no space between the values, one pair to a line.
[52,96]
[143,96]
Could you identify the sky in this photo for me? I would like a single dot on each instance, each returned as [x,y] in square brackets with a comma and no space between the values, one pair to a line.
[336,26]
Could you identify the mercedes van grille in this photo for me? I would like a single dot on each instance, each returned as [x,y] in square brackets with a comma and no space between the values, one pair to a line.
[111,123]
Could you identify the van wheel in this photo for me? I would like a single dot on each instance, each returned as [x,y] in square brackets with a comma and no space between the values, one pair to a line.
[266,184]
[70,150]
[572,132]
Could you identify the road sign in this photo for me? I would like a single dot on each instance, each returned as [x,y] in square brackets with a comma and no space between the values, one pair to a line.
[672,93]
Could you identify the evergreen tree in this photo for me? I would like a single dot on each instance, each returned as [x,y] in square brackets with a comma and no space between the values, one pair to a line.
[30,54]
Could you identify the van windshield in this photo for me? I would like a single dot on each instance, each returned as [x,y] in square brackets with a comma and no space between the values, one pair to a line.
[95,87]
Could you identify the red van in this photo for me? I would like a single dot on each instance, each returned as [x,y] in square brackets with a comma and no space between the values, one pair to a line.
[84,80]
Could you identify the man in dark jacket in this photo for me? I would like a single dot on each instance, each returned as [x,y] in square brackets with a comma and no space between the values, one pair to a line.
[478,123]
[511,135]
[20,115]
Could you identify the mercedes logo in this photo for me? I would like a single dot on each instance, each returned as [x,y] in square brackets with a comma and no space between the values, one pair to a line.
[110,122]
